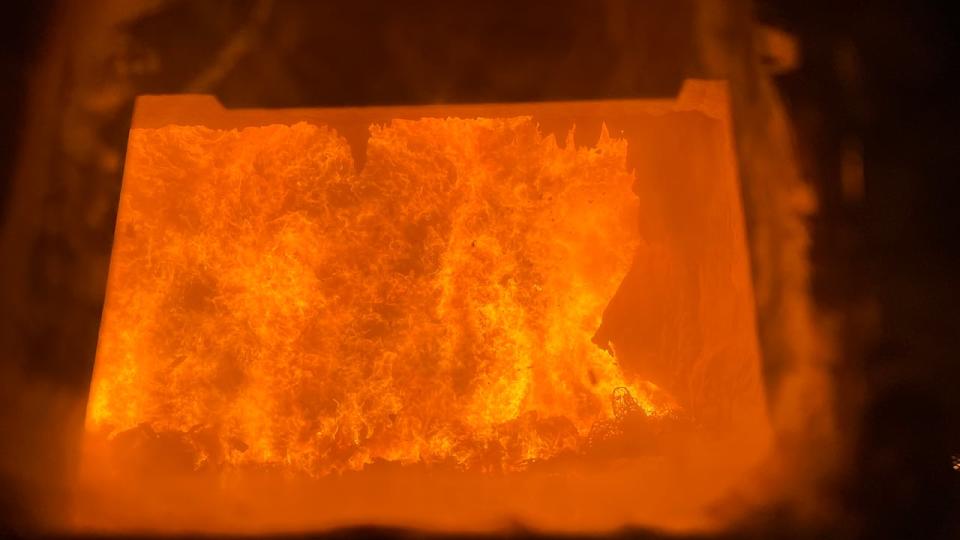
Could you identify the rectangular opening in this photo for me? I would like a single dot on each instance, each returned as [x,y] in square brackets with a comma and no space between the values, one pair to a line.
[453,317]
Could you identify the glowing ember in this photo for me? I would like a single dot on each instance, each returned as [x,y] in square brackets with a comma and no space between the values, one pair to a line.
[273,305]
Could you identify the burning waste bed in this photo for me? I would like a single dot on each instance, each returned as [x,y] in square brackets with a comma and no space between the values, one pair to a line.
[449,317]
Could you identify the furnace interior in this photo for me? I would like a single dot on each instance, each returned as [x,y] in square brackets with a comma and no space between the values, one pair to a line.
[452,317]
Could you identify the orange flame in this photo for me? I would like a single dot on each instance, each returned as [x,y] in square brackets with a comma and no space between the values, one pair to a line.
[278,307]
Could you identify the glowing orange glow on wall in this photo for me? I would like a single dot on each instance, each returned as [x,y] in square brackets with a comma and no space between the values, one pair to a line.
[472,296]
